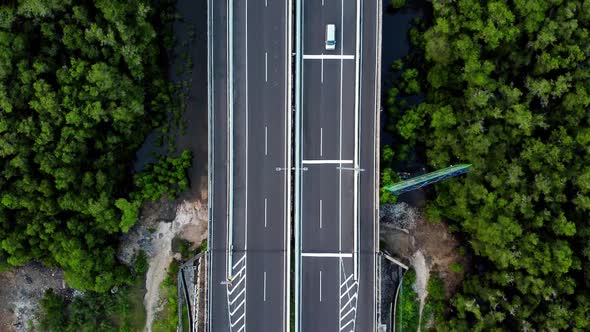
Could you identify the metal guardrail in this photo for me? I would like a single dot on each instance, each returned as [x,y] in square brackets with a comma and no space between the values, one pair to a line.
[398,291]
[197,298]
[376,128]
[179,288]
[194,268]
[357,148]
[210,132]
[378,288]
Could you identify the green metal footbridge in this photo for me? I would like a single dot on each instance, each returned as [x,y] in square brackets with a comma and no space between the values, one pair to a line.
[428,178]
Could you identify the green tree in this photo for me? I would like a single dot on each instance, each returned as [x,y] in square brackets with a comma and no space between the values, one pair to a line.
[81,86]
[504,87]
[398,3]
[53,318]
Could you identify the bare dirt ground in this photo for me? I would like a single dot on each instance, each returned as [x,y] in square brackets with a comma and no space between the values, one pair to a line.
[160,223]
[427,246]
[422,276]
[190,217]
[20,292]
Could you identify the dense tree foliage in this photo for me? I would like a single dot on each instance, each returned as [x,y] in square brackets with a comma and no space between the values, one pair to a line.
[119,311]
[165,177]
[80,87]
[507,87]
[398,3]
[408,309]
[388,176]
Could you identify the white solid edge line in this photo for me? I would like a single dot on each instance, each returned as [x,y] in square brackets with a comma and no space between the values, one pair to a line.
[246,177]
[327,254]
[287,230]
[230,88]
[340,156]
[326,161]
[328,57]
[247,134]
[356,141]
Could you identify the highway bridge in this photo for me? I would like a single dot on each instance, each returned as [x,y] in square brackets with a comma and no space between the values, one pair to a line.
[293,165]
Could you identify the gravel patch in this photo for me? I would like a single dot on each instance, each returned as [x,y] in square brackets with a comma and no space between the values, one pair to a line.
[20,291]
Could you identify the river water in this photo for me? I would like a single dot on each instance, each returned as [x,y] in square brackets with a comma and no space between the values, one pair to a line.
[395,45]
[190,33]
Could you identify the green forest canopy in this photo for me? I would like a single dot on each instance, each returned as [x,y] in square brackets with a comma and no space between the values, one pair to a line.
[81,84]
[506,87]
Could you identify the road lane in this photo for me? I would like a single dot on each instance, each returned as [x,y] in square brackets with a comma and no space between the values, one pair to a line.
[316,17]
[328,306]
[321,108]
[261,144]
[218,166]
[268,107]
[328,108]
[338,107]
[324,180]
[370,107]
[249,76]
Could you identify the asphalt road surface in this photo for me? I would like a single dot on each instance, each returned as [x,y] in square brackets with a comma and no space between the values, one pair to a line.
[218,71]
[336,220]
[218,95]
[335,189]
[249,196]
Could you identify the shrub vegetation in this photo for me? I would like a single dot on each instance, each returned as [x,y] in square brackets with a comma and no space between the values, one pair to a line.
[92,311]
[408,307]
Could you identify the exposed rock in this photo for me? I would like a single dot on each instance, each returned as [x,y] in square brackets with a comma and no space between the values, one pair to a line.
[188,215]
[408,236]
[139,236]
[399,215]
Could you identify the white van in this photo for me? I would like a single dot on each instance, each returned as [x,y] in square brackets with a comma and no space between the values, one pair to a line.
[330,37]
